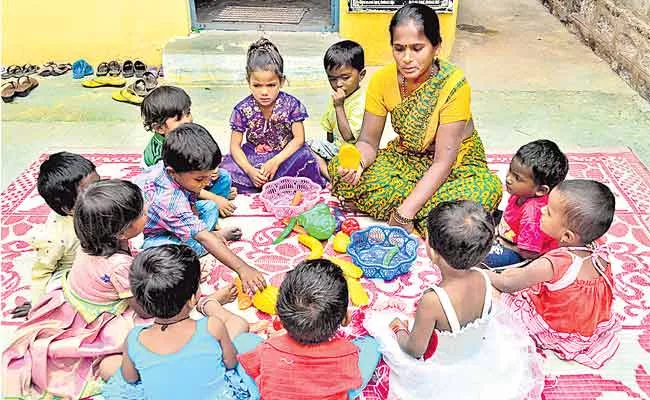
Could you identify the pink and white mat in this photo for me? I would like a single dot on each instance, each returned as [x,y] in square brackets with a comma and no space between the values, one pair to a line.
[627,375]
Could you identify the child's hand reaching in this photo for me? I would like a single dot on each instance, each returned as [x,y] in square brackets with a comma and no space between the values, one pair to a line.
[252,280]
[269,168]
[257,176]
[233,193]
[338,97]
[226,207]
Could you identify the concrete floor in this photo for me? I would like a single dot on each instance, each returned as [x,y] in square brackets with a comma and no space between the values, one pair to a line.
[531,79]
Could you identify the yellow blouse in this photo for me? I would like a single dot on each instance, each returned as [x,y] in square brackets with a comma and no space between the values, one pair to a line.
[383,95]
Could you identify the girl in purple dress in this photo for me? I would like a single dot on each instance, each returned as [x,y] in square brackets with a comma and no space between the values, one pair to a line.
[271,120]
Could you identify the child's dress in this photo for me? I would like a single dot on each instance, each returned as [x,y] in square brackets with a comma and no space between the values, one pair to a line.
[266,138]
[569,316]
[520,225]
[489,358]
[68,332]
[196,371]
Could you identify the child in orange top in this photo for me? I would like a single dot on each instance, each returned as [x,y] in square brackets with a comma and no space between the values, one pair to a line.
[567,293]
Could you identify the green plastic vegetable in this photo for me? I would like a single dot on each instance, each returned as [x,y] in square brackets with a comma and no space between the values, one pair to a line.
[390,254]
[318,222]
[286,231]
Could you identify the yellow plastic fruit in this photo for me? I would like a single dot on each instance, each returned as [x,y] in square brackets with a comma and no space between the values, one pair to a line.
[243,300]
[267,299]
[341,242]
[314,245]
[348,268]
[349,156]
[358,294]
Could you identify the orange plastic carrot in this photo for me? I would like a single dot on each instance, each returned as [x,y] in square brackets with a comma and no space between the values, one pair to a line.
[244,301]
[297,198]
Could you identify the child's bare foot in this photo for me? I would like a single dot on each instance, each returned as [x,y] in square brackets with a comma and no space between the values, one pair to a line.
[226,294]
[233,193]
[230,233]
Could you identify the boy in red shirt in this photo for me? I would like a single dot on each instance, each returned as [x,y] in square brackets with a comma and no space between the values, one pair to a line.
[307,363]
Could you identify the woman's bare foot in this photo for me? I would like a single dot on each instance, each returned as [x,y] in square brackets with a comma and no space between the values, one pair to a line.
[349,206]
[226,294]
[230,233]
[233,193]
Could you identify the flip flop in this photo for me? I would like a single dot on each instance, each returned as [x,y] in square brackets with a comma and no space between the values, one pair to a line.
[100,81]
[60,69]
[102,69]
[140,68]
[127,95]
[114,68]
[80,69]
[127,69]
[8,91]
[47,70]
[30,69]
[24,85]
[13,71]
[150,81]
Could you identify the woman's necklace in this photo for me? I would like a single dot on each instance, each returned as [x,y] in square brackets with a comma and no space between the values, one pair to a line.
[402,86]
[164,325]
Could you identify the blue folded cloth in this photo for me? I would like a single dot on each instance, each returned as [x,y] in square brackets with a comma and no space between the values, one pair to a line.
[81,68]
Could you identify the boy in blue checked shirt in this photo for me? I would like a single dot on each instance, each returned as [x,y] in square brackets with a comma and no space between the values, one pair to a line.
[190,157]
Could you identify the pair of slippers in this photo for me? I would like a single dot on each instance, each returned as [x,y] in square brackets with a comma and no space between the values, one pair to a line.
[17,71]
[127,69]
[53,69]
[136,92]
[81,68]
[21,88]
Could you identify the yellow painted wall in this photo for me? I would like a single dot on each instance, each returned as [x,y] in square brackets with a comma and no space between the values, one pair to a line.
[37,31]
[371,31]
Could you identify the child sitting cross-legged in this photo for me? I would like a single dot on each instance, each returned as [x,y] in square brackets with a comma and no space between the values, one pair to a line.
[60,179]
[565,297]
[535,170]
[460,346]
[307,363]
[178,357]
[345,67]
[190,157]
[163,110]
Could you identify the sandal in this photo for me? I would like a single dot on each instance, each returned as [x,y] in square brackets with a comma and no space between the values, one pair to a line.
[102,69]
[29,69]
[140,68]
[150,81]
[24,85]
[114,81]
[13,71]
[60,69]
[127,69]
[47,70]
[8,91]
[127,95]
[114,68]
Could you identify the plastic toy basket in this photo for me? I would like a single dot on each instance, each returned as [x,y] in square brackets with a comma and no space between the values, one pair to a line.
[277,196]
[383,251]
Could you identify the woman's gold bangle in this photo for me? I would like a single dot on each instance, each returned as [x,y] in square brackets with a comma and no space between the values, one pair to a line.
[400,219]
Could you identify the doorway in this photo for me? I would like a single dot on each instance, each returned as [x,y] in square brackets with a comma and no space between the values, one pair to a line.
[265,15]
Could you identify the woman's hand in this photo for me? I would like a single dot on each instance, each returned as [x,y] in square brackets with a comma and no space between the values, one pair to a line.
[350,176]
[402,219]
[257,176]
[270,168]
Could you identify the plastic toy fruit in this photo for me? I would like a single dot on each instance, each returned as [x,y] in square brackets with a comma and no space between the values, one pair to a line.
[243,300]
[358,294]
[267,299]
[390,254]
[318,222]
[349,156]
[350,225]
[348,268]
[297,198]
[314,245]
[341,242]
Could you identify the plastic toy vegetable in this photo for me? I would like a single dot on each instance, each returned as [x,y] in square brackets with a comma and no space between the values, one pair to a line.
[297,198]
[350,225]
[267,299]
[358,294]
[287,230]
[314,245]
[341,242]
[339,216]
[243,300]
[348,268]
[349,156]
[277,324]
[390,254]
[318,222]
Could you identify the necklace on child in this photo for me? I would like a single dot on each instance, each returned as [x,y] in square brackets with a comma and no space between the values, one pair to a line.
[164,325]
[402,86]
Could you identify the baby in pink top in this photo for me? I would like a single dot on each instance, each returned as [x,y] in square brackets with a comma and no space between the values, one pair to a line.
[537,168]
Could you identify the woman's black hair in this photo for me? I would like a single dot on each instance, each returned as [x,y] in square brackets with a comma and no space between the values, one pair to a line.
[103,212]
[313,301]
[461,232]
[164,278]
[162,103]
[589,208]
[58,180]
[422,16]
[264,55]
[190,147]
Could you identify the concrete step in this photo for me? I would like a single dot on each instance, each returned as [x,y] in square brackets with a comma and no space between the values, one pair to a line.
[218,58]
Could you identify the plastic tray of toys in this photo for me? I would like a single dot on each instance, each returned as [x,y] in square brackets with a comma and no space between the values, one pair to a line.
[383,251]
[278,196]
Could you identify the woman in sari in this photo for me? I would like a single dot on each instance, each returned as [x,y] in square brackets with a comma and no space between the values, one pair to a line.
[438,155]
